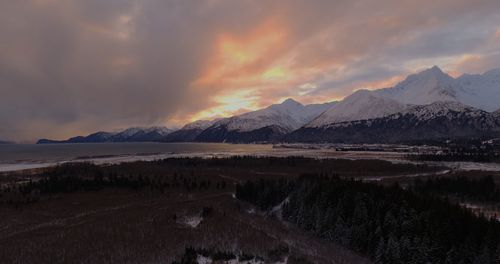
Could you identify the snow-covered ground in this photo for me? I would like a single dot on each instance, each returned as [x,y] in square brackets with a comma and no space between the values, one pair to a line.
[191,221]
[207,260]
[394,154]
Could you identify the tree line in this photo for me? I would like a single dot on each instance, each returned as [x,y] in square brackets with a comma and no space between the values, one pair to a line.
[387,224]
[74,177]
[483,189]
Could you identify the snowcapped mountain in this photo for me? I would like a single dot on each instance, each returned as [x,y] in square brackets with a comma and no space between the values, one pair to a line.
[288,115]
[155,133]
[422,123]
[265,124]
[481,90]
[199,124]
[362,104]
[432,85]
[428,86]
[135,134]
[189,132]
[417,103]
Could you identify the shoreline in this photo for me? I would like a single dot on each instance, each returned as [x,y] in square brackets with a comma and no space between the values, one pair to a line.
[116,153]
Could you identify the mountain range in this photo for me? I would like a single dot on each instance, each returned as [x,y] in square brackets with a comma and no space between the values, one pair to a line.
[135,134]
[430,105]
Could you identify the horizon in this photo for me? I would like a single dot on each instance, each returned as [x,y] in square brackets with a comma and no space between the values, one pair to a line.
[73,68]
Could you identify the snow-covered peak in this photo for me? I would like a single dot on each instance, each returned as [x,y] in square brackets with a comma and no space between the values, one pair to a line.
[480,90]
[362,104]
[161,130]
[433,85]
[288,115]
[199,124]
[493,73]
[129,132]
[430,76]
[425,87]
[290,103]
[103,134]
[434,70]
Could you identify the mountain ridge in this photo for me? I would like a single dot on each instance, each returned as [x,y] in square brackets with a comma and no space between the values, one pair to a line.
[134,134]
[267,124]
[423,96]
[438,121]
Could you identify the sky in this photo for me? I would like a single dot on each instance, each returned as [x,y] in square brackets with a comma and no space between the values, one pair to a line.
[72,67]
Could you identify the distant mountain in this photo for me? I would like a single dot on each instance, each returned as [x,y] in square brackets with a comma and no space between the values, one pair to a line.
[189,132]
[272,133]
[4,142]
[436,121]
[268,124]
[136,134]
[412,110]
[92,138]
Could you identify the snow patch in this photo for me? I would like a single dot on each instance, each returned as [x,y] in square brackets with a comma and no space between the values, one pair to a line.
[199,124]
[190,221]
[207,260]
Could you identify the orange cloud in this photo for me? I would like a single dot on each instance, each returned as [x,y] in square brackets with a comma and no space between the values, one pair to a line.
[389,82]
[471,63]
[241,65]
[255,69]
[239,59]
[229,104]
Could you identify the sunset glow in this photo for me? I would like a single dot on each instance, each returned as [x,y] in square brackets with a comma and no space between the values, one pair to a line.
[227,105]
[239,59]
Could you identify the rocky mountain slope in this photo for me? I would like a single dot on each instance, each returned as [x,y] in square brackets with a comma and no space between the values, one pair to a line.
[424,123]
[268,124]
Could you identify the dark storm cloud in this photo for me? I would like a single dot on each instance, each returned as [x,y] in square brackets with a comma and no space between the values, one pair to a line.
[71,67]
[82,65]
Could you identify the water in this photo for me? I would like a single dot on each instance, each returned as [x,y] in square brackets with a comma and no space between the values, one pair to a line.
[25,156]
[29,156]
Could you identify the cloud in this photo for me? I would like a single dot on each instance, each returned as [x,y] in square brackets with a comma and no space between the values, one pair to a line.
[72,67]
